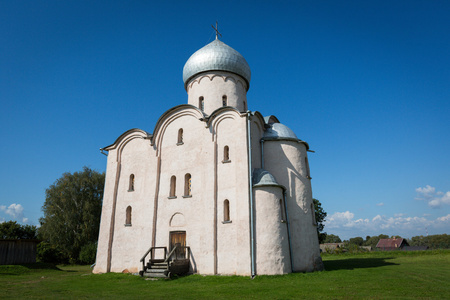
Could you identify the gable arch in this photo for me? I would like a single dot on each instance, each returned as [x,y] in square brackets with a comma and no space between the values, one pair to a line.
[168,117]
[221,114]
[125,138]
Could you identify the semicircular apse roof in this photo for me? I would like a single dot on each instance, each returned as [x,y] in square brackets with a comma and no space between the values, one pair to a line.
[216,56]
[279,131]
[262,177]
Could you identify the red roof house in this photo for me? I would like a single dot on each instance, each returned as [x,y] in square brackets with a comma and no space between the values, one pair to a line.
[391,244]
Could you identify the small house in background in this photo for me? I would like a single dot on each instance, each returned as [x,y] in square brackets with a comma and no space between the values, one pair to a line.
[14,252]
[329,247]
[368,248]
[391,244]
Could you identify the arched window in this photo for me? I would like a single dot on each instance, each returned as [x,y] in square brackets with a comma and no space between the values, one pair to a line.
[308,175]
[128,216]
[173,185]
[226,154]
[180,136]
[224,100]
[201,103]
[282,211]
[187,185]
[226,211]
[131,183]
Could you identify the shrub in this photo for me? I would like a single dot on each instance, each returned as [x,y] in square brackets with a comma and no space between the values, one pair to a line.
[88,253]
[48,253]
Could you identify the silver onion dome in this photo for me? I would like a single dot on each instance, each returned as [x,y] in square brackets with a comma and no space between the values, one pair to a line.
[216,56]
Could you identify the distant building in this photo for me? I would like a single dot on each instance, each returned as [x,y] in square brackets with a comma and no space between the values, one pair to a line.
[327,247]
[226,185]
[391,244]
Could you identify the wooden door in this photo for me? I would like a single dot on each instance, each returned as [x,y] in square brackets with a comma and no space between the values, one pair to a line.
[178,238]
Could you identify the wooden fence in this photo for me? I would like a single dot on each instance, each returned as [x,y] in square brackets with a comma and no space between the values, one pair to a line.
[13,252]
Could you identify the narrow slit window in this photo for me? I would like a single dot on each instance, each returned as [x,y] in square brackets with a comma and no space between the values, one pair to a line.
[245,105]
[226,154]
[224,100]
[187,185]
[226,211]
[131,184]
[308,175]
[180,137]
[313,213]
[201,103]
[128,216]
[173,184]
[282,211]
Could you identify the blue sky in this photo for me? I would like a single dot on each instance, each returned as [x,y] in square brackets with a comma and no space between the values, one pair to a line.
[365,83]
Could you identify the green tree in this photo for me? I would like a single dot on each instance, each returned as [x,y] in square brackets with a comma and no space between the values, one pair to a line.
[331,238]
[72,211]
[373,241]
[417,241]
[437,241]
[320,215]
[13,230]
[358,241]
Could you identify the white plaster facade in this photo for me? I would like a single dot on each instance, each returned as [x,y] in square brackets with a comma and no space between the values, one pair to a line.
[242,191]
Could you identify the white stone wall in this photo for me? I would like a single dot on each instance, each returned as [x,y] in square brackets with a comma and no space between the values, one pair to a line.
[105,220]
[201,215]
[196,151]
[131,242]
[272,244]
[233,239]
[285,160]
[132,155]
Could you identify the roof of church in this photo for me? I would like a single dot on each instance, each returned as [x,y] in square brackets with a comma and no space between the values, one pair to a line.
[262,177]
[216,56]
[279,131]
[271,119]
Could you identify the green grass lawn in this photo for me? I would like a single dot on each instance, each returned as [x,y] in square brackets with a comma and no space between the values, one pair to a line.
[376,275]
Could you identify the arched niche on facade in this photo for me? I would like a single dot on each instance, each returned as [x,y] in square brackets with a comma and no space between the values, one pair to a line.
[177,220]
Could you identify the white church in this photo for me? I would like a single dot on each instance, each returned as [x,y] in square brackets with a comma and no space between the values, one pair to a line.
[215,189]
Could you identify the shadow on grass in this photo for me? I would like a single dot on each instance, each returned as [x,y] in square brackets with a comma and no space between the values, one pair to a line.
[356,263]
[26,268]
[41,266]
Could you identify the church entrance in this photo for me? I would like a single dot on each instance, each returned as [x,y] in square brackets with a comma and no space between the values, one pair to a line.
[178,238]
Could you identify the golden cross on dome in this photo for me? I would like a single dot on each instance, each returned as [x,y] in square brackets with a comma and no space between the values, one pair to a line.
[216,29]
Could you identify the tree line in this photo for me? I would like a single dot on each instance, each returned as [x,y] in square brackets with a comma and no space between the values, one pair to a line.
[437,241]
